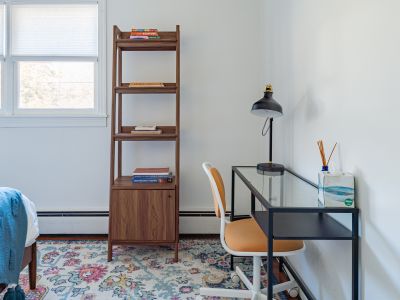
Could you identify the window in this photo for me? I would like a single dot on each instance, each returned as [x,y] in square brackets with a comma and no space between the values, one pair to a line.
[55,85]
[52,60]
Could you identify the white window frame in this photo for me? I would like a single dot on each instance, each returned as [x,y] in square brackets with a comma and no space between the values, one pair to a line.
[12,116]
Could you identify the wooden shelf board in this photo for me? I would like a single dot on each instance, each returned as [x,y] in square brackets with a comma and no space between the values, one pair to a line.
[150,137]
[168,88]
[125,183]
[166,42]
[168,134]
[147,242]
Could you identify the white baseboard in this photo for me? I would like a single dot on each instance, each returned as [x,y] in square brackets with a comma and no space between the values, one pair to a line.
[73,225]
[199,225]
[99,225]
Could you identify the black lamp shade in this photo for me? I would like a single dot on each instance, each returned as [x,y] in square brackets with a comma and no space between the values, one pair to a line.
[267,106]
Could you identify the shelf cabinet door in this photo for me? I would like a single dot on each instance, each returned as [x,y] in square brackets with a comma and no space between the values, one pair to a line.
[143,215]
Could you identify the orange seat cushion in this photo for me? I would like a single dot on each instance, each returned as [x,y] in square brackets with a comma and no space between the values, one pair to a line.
[246,236]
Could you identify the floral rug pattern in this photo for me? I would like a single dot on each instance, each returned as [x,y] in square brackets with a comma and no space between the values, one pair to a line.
[79,270]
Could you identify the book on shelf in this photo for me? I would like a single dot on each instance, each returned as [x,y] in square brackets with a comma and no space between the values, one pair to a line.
[144,30]
[146,132]
[143,177]
[151,172]
[138,37]
[145,127]
[144,34]
[152,180]
[152,175]
[146,84]
[143,37]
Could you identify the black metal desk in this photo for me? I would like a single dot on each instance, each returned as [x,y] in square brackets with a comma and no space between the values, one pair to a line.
[287,208]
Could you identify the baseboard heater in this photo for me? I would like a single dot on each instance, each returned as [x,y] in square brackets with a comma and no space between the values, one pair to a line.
[105,214]
[96,222]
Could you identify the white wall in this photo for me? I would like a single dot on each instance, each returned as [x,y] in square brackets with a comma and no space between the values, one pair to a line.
[337,64]
[221,76]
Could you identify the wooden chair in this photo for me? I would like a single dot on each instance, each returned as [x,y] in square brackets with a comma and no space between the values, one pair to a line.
[245,238]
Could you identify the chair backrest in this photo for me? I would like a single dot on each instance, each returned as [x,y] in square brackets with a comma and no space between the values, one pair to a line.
[217,188]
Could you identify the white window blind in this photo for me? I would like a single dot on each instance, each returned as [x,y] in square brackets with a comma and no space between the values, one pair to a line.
[1,29]
[54,30]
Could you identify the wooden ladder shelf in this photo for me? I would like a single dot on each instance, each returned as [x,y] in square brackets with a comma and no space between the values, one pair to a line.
[142,213]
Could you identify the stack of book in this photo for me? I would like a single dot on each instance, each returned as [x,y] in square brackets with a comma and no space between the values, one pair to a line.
[152,175]
[146,129]
[144,34]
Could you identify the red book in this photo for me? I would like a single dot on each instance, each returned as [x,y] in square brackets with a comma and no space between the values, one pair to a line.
[151,171]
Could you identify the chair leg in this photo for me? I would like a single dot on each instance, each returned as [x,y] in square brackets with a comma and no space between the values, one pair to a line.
[277,288]
[244,278]
[232,267]
[263,297]
[256,273]
[253,289]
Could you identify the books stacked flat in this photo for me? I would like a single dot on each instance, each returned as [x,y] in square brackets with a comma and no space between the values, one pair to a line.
[144,34]
[146,84]
[152,175]
[146,129]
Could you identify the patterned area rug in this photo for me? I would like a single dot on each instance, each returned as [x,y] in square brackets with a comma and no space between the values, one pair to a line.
[79,270]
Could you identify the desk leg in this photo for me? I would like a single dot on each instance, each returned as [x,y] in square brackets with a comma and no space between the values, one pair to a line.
[253,204]
[270,253]
[354,247]
[282,190]
[232,215]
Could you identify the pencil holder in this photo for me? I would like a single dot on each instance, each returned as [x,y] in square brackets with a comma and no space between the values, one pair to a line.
[335,189]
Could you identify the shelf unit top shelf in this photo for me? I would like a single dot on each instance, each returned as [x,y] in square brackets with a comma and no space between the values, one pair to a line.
[168,88]
[166,42]
[125,183]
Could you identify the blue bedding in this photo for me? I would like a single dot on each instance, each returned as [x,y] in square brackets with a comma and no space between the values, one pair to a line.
[13,228]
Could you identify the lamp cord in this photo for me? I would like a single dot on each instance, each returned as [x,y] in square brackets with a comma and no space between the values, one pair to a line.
[265,131]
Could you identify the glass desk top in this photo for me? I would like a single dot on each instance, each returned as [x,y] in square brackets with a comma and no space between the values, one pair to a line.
[282,191]
[296,201]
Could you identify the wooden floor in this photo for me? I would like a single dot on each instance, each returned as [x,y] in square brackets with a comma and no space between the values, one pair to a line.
[281,276]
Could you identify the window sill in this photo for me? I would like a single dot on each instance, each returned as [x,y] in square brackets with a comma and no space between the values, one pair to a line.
[19,121]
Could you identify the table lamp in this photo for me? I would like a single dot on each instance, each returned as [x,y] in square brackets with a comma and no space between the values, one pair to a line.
[268,108]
